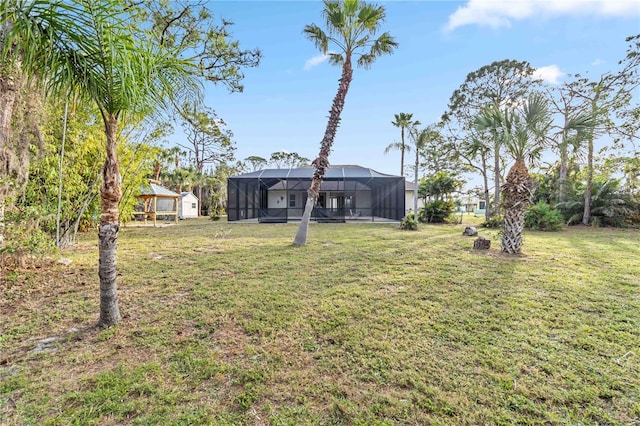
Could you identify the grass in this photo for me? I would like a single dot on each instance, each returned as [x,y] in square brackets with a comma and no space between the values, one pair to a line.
[230,324]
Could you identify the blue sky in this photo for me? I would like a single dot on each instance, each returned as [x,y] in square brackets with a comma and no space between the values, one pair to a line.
[287,98]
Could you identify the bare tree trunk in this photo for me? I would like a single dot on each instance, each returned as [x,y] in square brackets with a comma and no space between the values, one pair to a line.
[1,221]
[9,86]
[415,187]
[487,197]
[64,136]
[322,162]
[586,216]
[496,180]
[110,193]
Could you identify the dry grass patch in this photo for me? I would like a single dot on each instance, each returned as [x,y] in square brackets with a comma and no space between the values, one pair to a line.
[229,324]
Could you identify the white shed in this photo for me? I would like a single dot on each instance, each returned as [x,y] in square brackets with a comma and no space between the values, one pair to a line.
[189,206]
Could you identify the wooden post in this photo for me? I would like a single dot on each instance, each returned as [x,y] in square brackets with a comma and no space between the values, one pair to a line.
[155,210]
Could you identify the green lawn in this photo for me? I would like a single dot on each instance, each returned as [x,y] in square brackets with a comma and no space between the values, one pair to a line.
[230,324]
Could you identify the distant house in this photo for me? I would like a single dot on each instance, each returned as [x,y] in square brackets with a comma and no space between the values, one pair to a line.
[346,193]
[409,188]
[471,205]
[189,206]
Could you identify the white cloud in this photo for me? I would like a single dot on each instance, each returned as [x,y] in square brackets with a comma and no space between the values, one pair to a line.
[501,13]
[315,61]
[550,74]
[597,62]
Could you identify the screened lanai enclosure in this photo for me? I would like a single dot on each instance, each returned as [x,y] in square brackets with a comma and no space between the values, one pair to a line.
[347,193]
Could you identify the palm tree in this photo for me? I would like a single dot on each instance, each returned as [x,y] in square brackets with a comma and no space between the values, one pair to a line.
[522,133]
[403,121]
[351,28]
[91,50]
[420,139]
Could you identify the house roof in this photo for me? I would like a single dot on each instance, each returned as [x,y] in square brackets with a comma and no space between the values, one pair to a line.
[187,193]
[153,189]
[333,172]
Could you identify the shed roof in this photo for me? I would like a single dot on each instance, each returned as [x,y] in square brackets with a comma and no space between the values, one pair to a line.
[333,172]
[152,189]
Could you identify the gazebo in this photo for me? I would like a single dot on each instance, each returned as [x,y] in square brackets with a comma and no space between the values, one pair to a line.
[158,201]
[347,193]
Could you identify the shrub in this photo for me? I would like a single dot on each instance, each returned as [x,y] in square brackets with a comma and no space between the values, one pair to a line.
[494,222]
[541,217]
[409,222]
[436,211]
[24,238]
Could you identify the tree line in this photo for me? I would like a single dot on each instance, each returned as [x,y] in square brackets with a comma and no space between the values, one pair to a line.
[502,113]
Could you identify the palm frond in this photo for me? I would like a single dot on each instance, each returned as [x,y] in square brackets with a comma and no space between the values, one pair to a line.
[352,25]
[336,58]
[315,34]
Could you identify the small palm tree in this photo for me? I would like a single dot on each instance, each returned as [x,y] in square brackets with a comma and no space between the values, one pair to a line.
[522,133]
[351,27]
[91,51]
[404,122]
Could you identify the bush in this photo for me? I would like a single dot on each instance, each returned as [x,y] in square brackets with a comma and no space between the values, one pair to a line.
[24,239]
[541,217]
[436,211]
[494,222]
[409,222]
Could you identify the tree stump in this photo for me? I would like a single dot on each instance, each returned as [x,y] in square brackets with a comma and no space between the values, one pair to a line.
[470,231]
[481,244]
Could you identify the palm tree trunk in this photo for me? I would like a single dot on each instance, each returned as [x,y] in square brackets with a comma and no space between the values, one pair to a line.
[110,193]
[322,162]
[402,148]
[562,176]
[516,193]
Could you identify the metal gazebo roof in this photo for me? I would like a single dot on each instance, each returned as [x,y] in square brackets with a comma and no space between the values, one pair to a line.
[155,190]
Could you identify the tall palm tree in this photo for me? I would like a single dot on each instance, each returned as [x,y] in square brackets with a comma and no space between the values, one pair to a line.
[404,122]
[522,133]
[351,26]
[91,50]
[420,139]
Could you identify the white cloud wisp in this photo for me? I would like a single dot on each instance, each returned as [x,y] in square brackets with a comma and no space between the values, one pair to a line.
[550,74]
[315,61]
[501,13]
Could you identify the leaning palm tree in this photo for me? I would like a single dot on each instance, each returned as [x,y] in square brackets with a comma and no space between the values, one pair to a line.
[404,122]
[93,51]
[351,28]
[522,133]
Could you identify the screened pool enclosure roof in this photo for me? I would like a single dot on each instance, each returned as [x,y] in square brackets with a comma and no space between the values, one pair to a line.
[333,172]
[347,192]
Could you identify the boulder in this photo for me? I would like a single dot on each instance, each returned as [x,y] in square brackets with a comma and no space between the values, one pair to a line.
[470,231]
